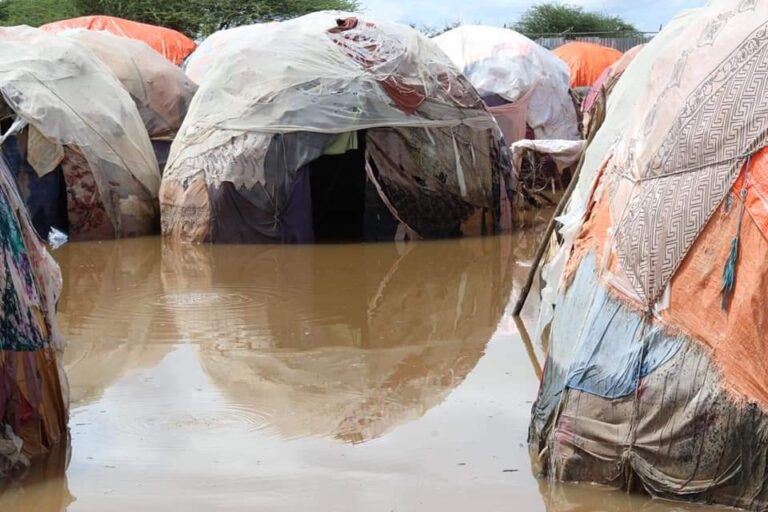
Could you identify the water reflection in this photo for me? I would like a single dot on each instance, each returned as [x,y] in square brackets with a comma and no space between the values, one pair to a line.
[41,488]
[337,378]
[107,313]
[561,497]
[341,341]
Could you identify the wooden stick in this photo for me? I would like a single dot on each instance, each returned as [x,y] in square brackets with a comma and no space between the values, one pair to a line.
[558,211]
[545,241]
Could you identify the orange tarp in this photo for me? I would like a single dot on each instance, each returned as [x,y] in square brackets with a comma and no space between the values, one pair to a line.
[587,61]
[173,45]
[735,337]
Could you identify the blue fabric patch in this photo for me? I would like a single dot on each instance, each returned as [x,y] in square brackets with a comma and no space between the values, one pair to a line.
[609,356]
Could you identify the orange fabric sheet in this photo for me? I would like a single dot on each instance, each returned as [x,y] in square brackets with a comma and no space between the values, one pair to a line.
[171,44]
[736,337]
[587,61]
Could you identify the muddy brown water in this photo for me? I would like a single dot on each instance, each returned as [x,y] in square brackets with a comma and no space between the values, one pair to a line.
[378,377]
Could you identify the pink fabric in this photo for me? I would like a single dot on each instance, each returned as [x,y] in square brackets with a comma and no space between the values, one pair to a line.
[594,92]
[512,118]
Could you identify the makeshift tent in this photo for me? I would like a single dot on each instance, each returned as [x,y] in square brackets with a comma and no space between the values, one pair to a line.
[33,395]
[522,83]
[593,106]
[656,375]
[330,127]
[587,61]
[74,139]
[324,357]
[171,44]
[161,91]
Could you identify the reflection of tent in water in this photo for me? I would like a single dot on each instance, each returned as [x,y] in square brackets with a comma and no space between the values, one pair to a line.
[33,412]
[345,341]
[171,44]
[318,129]
[74,139]
[109,313]
[523,84]
[657,372]
[587,61]
[162,91]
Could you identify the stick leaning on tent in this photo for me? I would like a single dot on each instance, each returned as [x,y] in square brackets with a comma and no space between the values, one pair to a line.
[552,225]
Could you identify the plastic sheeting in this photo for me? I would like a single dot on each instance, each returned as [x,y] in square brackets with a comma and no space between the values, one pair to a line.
[565,153]
[207,54]
[587,61]
[502,62]
[63,91]
[162,91]
[279,94]
[171,44]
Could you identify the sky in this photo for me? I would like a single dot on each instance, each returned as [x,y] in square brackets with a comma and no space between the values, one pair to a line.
[646,15]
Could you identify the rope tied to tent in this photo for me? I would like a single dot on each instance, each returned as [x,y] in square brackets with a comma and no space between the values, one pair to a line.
[729,271]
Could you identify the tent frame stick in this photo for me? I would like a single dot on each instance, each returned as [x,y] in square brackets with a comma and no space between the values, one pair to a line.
[545,240]
[558,211]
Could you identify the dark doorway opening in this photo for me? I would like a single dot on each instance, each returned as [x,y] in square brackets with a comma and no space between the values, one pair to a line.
[338,195]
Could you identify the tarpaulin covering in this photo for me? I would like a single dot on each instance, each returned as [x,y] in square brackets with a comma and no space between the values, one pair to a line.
[33,403]
[80,116]
[171,44]
[668,251]
[587,61]
[282,93]
[162,91]
[499,61]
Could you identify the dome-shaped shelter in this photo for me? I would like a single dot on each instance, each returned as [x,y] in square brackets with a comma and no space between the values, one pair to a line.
[74,139]
[161,91]
[331,127]
[169,43]
[33,394]
[657,375]
[522,83]
[587,61]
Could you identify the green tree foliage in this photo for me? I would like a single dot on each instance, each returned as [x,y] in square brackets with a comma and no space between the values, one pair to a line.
[553,18]
[434,31]
[201,17]
[193,17]
[34,12]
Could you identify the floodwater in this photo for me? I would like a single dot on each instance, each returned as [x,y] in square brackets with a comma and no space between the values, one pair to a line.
[378,377]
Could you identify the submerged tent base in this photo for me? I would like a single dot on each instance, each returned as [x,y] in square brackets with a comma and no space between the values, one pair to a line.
[680,436]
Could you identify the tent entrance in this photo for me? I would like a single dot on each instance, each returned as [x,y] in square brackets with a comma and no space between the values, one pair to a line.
[45,197]
[338,184]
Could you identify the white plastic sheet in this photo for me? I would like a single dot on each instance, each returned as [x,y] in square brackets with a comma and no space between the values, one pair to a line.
[502,62]
[299,76]
[161,90]
[62,90]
